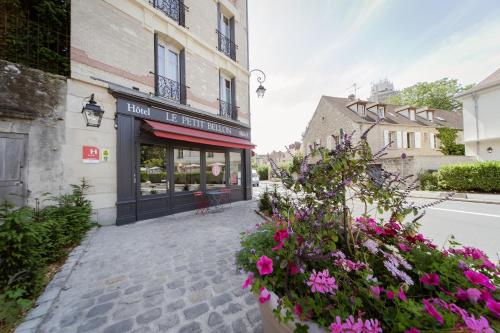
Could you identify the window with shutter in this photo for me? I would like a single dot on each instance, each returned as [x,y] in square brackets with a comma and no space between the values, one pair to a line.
[399,139]
[418,140]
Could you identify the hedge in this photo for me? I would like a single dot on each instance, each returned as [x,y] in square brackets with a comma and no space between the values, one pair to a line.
[31,239]
[478,177]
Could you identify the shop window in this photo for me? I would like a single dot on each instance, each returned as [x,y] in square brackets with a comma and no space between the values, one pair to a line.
[235,169]
[154,179]
[215,170]
[186,169]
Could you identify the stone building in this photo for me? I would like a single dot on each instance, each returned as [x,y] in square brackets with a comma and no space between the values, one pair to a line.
[382,91]
[172,78]
[405,129]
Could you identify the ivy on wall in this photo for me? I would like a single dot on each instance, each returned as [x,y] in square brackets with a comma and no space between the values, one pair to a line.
[449,146]
[36,34]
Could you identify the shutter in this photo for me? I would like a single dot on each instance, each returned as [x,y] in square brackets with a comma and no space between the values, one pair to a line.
[156,62]
[182,75]
[234,109]
[386,138]
[432,141]
[399,139]
[219,25]
[405,140]
[418,143]
[232,47]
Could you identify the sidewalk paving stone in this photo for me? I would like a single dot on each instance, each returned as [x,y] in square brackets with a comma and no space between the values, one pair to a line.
[171,274]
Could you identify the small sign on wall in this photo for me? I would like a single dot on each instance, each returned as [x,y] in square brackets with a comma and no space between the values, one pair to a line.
[90,154]
[105,155]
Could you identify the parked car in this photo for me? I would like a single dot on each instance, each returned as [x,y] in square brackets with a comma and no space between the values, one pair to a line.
[255,178]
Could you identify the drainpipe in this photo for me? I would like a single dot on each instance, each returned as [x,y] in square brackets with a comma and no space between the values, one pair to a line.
[476,115]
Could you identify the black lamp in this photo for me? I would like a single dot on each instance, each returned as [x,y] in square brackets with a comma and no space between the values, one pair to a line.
[92,113]
[489,150]
[261,78]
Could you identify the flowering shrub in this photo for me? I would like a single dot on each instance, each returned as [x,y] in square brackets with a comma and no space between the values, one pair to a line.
[367,273]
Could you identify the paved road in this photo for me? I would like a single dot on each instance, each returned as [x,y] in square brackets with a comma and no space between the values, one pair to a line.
[172,274]
[472,224]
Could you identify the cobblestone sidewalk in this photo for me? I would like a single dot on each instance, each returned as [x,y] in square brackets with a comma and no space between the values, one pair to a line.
[172,274]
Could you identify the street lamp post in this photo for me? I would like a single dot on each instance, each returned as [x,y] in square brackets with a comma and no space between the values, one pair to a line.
[260,78]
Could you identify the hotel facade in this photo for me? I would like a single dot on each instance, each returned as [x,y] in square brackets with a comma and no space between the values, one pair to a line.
[172,78]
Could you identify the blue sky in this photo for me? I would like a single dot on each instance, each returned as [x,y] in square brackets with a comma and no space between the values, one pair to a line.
[310,48]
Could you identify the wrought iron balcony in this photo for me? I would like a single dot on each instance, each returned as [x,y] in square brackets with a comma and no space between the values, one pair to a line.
[226,46]
[228,110]
[175,9]
[170,89]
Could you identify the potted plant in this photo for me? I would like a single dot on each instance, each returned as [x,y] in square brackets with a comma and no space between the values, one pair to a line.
[318,268]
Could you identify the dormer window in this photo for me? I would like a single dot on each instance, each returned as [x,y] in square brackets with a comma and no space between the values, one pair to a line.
[358,106]
[408,112]
[378,109]
[426,113]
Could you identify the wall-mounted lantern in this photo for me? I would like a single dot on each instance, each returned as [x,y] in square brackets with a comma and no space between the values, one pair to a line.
[261,78]
[92,113]
[489,150]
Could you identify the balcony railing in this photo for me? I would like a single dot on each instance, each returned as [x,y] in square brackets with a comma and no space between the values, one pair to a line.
[170,89]
[228,110]
[226,46]
[175,9]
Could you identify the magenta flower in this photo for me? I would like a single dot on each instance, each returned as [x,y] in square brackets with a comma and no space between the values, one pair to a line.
[322,282]
[278,247]
[494,307]
[372,326]
[297,310]
[431,279]
[403,247]
[280,235]
[264,295]
[479,279]
[265,265]
[412,330]
[390,294]
[402,295]
[431,310]
[248,281]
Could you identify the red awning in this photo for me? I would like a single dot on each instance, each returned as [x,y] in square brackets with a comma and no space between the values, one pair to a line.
[168,131]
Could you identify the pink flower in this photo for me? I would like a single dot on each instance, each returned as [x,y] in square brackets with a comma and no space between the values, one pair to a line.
[431,279]
[412,330]
[480,325]
[494,307]
[375,290]
[431,310]
[402,295]
[403,247]
[322,282]
[372,326]
[390,294]
[248,281]
[297,310]
[264,295]
[485,296]
[280,235]
[471,295]
[265,265]
[278,247]
[479,279]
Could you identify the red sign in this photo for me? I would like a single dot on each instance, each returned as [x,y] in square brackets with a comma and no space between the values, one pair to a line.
[90,154]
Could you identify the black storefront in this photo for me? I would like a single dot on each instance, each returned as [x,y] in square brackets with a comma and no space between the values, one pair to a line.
[166,152]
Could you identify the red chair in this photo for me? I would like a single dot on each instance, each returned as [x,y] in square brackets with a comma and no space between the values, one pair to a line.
[201,202]
[226,196]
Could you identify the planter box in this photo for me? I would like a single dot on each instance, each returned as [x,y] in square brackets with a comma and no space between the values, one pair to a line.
[272,325]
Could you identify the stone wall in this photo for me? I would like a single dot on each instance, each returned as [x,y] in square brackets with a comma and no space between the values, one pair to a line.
[413,165]
[32,106]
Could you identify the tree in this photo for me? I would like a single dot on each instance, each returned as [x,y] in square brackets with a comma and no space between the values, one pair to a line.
[449,146]
[438,94]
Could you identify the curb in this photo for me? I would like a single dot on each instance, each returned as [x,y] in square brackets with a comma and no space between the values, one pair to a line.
[457,199]
[37,315]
